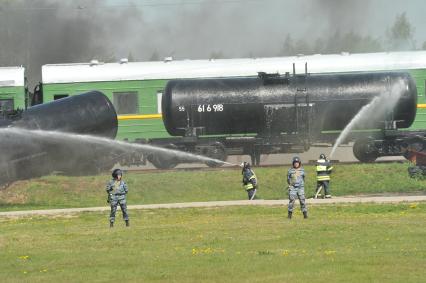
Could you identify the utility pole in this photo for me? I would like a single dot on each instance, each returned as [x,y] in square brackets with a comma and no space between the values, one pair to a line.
[28,39]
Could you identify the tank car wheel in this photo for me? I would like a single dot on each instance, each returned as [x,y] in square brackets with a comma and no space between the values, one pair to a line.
[415,172]
[163,163]
[415,144]
[216,151]
[163,160]
[364,150]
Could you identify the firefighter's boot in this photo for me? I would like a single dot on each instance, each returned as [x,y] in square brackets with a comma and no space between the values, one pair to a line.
[290,214]
[111,224]
[127,223]
[305,214]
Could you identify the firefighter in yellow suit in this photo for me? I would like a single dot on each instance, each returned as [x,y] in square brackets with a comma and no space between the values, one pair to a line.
[249,180]
[323,169]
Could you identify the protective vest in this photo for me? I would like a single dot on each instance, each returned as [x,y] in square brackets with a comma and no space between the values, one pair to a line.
[249,180]
[323,169]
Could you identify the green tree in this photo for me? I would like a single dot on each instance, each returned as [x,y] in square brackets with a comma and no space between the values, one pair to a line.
[288,47]
[217,55]
[355,43]
[334,43]
[319,45]
[154,56]
[400,35]
[302,47]
[130,57]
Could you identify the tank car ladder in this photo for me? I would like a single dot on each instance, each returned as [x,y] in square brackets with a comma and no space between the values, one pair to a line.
[303,116]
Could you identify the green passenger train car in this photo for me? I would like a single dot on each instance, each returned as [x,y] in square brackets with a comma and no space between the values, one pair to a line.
[135,102]
[136,87]
[12,88]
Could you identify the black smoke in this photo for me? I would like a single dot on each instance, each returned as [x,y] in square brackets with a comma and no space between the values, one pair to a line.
[37,32]
[40,32]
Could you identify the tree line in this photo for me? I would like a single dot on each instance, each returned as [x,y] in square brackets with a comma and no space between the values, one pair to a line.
[399,37]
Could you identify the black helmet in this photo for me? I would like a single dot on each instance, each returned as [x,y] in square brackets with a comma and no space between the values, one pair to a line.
[245,165]
[296,159]
[322,156]
[117,172]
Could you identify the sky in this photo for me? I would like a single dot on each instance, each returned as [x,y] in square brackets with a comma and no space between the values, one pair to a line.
[238,28]
[37,32]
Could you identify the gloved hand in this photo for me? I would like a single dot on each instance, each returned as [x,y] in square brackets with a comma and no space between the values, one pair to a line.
[109,198]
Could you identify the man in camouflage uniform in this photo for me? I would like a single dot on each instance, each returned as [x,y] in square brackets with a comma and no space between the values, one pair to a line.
[117,190]
[296,182]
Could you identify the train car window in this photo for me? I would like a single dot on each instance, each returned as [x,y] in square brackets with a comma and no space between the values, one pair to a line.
[7,83]
[59,96]
[126,102]
[6,105]
[159,97]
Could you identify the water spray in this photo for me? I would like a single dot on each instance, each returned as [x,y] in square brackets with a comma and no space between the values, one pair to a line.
[51,136]
[377,108]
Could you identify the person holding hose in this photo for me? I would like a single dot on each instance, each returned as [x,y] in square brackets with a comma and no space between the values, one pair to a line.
[249,180]
[323,169]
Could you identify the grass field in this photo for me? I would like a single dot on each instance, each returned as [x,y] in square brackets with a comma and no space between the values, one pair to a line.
[345,243]
[186,186]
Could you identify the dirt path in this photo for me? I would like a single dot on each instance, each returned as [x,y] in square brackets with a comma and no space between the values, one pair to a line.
[336,200]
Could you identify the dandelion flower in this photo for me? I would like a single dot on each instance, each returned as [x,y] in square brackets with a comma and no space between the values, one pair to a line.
[330,252]
[413,205]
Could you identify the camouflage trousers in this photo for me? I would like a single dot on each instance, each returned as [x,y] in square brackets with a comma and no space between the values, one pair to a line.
[115,201]
[294,193]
